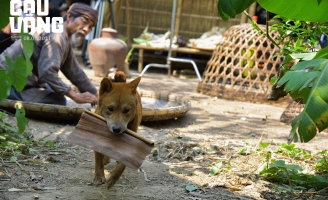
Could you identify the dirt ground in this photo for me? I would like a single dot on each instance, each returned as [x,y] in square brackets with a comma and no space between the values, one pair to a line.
[214,130]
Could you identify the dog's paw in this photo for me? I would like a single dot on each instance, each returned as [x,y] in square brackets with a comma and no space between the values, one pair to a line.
[98,180]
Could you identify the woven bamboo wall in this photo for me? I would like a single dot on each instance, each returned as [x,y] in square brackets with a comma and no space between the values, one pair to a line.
[193,17]
[241,66]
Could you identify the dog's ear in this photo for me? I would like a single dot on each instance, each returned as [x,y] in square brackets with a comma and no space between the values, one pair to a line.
[134,84]
[105,86]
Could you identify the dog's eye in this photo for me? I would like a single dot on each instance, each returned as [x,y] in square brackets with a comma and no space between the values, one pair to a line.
[125,111]
[110,109]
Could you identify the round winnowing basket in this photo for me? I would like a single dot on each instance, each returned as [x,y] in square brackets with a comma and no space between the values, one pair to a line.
[163,106]
[241,65]
[156,106]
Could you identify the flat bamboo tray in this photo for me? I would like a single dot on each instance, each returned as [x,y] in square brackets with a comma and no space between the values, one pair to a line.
[156,107]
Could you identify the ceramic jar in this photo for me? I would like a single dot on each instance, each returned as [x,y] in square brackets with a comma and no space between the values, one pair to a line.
[107,52]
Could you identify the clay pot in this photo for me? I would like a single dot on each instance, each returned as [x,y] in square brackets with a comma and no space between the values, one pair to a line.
[107,52]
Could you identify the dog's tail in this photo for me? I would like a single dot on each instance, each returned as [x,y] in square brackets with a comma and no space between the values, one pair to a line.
[120,77]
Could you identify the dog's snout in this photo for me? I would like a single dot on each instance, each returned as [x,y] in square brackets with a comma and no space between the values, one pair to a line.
[116,129]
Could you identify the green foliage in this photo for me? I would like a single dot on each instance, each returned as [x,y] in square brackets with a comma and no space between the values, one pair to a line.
[21,120]
[282,172]
[322,162]
[296,36]
[243,151]
[5,83]
[28,48]
[16,76]
[305,81]
[216,169]
[291,177]
[312,11]
[128,57]
[292,152]
[6,127]
[264,145]
[16,72]
[5,13]
[230,8]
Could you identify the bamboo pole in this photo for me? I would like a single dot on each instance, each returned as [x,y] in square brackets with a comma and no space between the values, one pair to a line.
[106,16]
[178,18]
[117,10]
[128,26]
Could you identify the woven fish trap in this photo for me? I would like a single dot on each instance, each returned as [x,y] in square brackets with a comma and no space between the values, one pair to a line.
[241,65]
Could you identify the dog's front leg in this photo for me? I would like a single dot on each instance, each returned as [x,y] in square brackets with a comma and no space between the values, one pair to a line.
[99,177]
[115,175]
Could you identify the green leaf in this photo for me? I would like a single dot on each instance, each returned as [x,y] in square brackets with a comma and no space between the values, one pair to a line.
[28,47]
[314,117]
[262,168]
[4,144]
[216,168]
[191,187]
[264,145]
[141,40]
[300,80]
[243,151]
[13,158]
[322,53]
[303,56]
[230,8]
[9,127]
[5,83]
[50,143]
[297,79]
[278,163]
[304,10]
[273,80]
[289,147]
[21,120]
[32,150]
[5,13]
[17,72]
[321,179]
[282,164]
[311,65]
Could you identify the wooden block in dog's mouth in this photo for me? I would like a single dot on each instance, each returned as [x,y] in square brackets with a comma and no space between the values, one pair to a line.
[128,148]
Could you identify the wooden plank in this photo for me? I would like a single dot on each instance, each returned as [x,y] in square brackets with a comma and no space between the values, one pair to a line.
[93,133]
[179,49]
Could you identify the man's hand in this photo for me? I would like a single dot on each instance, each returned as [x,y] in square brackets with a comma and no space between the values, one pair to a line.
[85,97]
[6,29]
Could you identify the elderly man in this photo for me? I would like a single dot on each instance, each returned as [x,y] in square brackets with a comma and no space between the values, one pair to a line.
[53,52]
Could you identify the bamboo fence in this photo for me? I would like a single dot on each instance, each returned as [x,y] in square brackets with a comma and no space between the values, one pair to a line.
[193,17]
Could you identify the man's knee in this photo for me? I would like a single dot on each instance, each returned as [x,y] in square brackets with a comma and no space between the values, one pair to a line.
[52,98]
[14,95]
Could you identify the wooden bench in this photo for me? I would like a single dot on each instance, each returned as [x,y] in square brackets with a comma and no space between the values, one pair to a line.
[185,50]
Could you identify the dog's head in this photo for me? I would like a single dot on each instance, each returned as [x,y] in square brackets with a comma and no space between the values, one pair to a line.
[118,103]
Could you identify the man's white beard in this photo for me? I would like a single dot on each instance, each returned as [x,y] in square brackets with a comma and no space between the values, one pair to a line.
[78,38]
